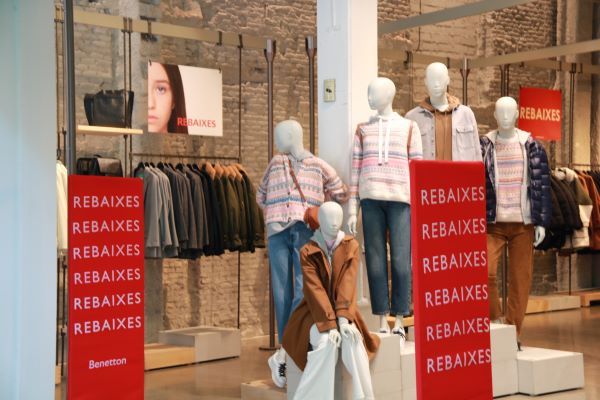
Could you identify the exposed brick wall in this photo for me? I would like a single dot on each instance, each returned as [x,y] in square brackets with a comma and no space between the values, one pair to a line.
[183,293]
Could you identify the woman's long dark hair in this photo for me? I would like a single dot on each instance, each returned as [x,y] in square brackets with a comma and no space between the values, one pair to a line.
[178,99]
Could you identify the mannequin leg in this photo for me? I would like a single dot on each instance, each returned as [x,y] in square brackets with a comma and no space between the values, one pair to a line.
[318,377]
[398,221]
[280,259]
[520,270]
[399,325]
[374,230]
[496,239]
[384,327]
[356,361]
[300,236]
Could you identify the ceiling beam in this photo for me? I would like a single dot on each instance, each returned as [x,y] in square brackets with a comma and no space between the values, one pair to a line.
[589,46]
[448,14]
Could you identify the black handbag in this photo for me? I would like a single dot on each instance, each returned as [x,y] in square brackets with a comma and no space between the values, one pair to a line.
[107,108]
[99,166]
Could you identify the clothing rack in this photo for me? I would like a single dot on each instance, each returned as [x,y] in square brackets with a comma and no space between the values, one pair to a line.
[569,254]
[203,157]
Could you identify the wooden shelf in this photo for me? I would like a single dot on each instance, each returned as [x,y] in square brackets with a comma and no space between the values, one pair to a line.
[106,131]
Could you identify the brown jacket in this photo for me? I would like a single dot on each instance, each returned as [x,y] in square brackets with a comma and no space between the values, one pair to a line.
[322,308]
[594,227]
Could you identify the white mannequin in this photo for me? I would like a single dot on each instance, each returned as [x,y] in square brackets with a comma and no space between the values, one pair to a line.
[506,114]
[437,80]
[288,138]
[318,376]
[381,94]
[331,217]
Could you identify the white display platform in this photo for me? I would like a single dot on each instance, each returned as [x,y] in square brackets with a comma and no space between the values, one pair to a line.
[505,378]
[503,340]
[386,375]
[532,371]
[544,371]
[210,343]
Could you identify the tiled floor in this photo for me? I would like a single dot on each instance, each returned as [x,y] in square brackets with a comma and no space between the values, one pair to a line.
[576,330]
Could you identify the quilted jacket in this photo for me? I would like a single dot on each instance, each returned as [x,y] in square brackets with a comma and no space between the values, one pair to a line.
[536,198]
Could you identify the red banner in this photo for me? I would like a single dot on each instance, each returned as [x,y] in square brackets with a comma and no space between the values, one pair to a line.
[450,276]
[106,288]
[540,112]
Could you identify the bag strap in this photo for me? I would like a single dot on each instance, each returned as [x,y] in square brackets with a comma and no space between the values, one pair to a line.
[296,181]
[409,138]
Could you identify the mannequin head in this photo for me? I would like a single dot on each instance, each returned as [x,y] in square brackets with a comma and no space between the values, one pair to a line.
[437,80]
[506,113]
[331,216]
[381,95]
[288,137]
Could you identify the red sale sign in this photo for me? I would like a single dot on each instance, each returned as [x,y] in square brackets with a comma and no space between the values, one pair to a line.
[540,112]
[450,276]
[106,288]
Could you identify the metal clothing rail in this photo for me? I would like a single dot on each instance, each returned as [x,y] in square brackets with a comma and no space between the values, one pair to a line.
[182,156]
[520,58]
[170,30]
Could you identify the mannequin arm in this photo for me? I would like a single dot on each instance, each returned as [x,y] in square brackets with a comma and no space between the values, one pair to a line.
[349,331]
[540,234]
[346,290]
[316,296]
[352,224]
[261,191]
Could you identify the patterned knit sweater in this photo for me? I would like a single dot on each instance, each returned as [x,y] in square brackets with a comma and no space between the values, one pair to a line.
[279,198]
[380,160]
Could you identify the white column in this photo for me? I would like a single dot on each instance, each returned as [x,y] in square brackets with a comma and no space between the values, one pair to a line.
[27,200]
[346,52]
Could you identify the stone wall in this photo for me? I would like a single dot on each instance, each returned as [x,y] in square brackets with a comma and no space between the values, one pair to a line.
[183,293]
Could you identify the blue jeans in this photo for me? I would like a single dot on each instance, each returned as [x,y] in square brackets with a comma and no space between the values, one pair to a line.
[286,271]
[378,216]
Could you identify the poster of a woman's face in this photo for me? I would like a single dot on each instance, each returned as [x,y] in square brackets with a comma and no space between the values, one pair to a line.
[184,99]
[166,99]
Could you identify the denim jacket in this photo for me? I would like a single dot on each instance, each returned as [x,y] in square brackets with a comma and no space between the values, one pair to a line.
[465,138]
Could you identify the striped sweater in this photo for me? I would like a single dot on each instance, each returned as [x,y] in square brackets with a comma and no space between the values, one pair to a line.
[380,160]
[279,198]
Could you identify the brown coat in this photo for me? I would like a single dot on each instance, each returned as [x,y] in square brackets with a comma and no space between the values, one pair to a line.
[594,228]
[317,307]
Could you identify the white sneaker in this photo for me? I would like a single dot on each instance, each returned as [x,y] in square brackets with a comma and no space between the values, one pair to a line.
[277,371]
[400,332]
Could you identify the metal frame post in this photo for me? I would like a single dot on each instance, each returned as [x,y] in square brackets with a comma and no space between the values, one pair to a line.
[269,52]
[464,72]
[311,51]
[572,73]
[69,57]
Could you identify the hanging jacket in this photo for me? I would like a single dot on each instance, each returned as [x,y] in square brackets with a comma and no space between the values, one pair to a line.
[555,233]
[594,229]
[329,293]
[580,237]
[536,201]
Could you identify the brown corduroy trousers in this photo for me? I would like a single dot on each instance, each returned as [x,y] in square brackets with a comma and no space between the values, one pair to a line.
[519,238]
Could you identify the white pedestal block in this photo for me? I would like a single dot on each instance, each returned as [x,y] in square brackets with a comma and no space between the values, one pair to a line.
[504,342]
[505,378]
[409,371]
[545,371]
[388,355]
[411,334]
[209,343]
